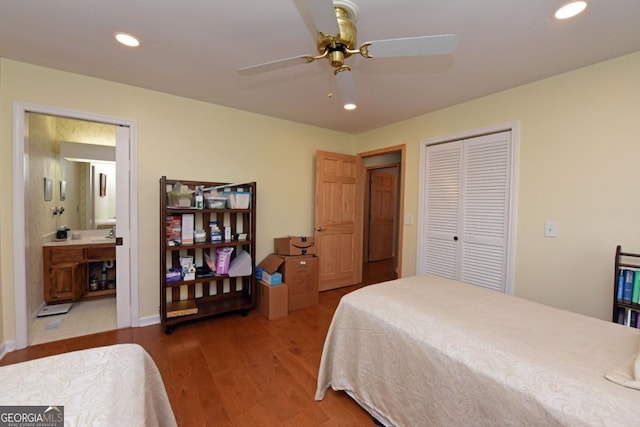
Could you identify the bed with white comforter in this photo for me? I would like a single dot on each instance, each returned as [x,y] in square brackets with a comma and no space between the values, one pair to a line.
[427,351]
[116,385]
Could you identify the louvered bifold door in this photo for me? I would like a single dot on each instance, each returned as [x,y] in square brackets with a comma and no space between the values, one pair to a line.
[485,206]
[442,208]
[465,221]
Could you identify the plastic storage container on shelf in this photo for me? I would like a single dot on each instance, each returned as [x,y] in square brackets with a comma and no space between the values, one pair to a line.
[216,202]
[179,200]
[238,199]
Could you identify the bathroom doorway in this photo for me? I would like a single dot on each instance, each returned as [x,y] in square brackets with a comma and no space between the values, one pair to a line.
[28,209]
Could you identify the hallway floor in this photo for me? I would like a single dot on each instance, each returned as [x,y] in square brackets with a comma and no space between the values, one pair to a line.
[379,271]
[84,318]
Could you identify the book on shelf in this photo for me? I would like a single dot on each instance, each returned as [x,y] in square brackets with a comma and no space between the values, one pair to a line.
[636,288]
[629,277]
[181,308]
[620,284]
[632,318]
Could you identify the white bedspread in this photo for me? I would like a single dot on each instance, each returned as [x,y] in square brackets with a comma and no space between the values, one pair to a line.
[116,385]
[426,351]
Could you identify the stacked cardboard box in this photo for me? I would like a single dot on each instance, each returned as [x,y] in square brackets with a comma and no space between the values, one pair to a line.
[294,245]
[273,300]
[299,271]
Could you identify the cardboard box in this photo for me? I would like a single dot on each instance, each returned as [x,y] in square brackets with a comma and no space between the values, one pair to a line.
[273,300]
[300,273]
[270,264]
[294,245]
[267,270]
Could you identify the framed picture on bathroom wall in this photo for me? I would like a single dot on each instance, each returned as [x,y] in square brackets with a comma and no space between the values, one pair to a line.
[63,190]
[103,185]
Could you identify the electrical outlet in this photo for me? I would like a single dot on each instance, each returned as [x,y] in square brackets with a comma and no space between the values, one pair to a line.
[550,229]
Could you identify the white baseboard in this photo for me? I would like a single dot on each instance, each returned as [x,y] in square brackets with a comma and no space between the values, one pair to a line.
[150,320]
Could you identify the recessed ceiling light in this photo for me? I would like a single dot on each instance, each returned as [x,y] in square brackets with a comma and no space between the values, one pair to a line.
[127,39]
[350,106]
[570,10]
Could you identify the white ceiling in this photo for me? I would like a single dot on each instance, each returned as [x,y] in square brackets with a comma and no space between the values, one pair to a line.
[193,48]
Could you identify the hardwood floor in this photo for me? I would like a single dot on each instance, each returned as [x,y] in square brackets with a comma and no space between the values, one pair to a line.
[237,371]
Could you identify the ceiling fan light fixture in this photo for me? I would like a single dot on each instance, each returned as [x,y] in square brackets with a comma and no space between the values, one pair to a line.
[570,10]
[127,39]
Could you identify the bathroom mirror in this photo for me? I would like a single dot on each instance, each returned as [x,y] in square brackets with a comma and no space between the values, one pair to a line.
[82,166]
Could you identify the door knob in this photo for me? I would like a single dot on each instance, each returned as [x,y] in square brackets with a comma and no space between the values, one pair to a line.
[319,229]
[455,237]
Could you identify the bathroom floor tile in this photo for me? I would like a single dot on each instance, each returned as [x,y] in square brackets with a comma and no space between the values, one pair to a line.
[84,318]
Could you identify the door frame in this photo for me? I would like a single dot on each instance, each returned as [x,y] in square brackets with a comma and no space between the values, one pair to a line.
[401,176]
[514,128]
[20,109]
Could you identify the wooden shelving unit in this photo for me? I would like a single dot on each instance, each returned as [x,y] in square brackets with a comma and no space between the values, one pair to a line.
[187,300]
[623,260]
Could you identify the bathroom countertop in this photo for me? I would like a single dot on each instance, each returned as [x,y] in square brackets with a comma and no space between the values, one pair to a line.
[87,237]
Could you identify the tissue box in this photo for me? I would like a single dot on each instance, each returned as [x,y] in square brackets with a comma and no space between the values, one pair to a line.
[271,278]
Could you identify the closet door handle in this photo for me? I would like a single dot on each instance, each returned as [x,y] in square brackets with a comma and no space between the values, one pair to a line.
[455,238]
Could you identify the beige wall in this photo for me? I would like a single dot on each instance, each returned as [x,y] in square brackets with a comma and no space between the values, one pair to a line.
[579,146]
[180,138]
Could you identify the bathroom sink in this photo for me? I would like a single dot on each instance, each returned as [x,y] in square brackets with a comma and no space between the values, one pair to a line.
[103,239]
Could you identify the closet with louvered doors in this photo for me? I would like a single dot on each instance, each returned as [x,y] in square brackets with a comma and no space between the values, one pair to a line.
[466,196]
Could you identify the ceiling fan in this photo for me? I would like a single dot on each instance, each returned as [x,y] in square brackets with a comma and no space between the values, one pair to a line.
[335,23]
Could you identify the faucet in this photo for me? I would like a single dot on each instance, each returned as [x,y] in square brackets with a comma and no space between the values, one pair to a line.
[112,233]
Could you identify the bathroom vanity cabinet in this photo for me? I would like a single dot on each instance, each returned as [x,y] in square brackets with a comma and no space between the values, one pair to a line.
[68,266]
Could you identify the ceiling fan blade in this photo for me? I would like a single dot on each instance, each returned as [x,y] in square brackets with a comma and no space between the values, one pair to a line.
[323,15]
[347,88]
[275,65]
[413,46]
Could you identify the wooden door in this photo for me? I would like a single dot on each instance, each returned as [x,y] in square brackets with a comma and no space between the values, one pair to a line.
[338,219]
[381,215]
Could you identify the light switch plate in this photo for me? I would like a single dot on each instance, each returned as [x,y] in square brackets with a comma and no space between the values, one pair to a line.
[408,219]
[550,229]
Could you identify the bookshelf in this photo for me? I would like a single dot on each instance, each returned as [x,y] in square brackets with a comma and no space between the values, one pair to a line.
[626,288]
[203,293]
